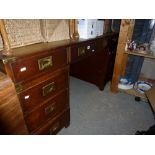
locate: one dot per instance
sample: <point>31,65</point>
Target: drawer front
<point>55,125</point>
<point>83,50</point>
<point>34,96</point>
<point>48,110</point>
<point>28,67</point>
<point>77,51</point>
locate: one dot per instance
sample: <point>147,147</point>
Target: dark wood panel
<point>91,69</point>
<point>48,110</point>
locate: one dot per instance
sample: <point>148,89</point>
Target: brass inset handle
<point>49,109</point>
<point>54,128</point>
<point>81,51</point>
<point>48,88</point>
<point>44,63</point>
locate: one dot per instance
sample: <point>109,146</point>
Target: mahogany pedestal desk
<point>40,73</point>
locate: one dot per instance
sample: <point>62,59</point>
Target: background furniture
<point>93,60</point>
<point>126,32</point>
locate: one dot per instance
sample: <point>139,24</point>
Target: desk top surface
<point>46,46</point>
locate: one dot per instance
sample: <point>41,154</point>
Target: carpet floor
<point>95,112</point>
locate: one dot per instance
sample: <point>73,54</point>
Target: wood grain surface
<point>11,116</point>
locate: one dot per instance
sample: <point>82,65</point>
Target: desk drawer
<point>54,125</point>
<point>37,94</point>
<point>49,61</point>
<point>48,110</point>
<point>82,50</point>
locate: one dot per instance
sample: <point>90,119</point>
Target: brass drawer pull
<point>48,88</point>
<point>44,63</point>
<point>50,109</point>
<point>54,128</point>
<point>81,51</point>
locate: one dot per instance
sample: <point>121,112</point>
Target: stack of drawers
<point>42,83</point>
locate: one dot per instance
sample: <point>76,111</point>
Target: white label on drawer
<point>23,69</point>
<point>26,97</point>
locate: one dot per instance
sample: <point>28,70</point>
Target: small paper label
<point>27,97</point>
<point>23,69</point>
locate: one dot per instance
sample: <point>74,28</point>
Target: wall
<point>54,30</point>
<point>23,32</point>
<point>61,32</point>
